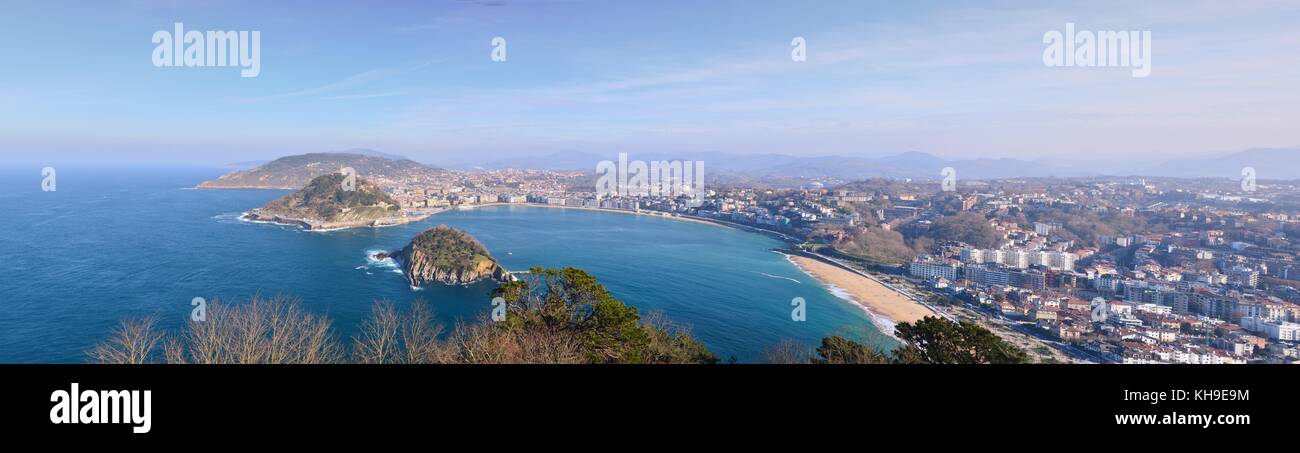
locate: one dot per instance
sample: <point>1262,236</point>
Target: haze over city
<point>956,80</point>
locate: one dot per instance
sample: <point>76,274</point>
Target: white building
<point>1020,259</point>
<point>926,267</point>
<point>1274,330</point>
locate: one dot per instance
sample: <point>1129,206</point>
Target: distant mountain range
<point>915,165</point>
<point>1269,163</point>
<point>294,172</point>
<point>1274,163</point>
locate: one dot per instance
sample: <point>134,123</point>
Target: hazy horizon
<point>958,81</point>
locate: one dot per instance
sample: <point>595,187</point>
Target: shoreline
<point>886,307</point>
<point>253,217</point>
<point>647,213</point>
<point>789,240</point>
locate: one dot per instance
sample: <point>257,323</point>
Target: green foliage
<point>931,340</point>
<point>570,301</point>
<point>449,248</point>
<point>840,350</point>
<point>324,199</point>
<point>938,340</point>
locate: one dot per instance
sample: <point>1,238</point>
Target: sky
<point>952,78</point>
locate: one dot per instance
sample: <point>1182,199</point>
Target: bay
<point>117,243</point>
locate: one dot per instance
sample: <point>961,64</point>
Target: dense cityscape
<point>1112,270</point>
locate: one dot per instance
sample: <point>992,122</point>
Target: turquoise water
<point>117,243</point>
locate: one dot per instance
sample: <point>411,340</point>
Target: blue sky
<point>956,79</point>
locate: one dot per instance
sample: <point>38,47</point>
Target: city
<point>1182,270</point>
<point>960,221</point>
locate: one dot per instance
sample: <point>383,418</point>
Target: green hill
<point>294,172</point>
<point>449,256</point>
<point>325,203</point>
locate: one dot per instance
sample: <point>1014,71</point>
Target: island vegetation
<point>329,201</point>
<point>446,255</point>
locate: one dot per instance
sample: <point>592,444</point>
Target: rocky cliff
<point>448,256</point>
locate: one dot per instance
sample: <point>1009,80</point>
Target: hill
<point>294,172</point>
<point>325,204</point>
<point>1270,163</point>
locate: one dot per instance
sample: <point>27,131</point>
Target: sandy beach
<point>878,299</point>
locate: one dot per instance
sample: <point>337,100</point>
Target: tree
<point>570,302</point>
<point>878,245</point>
<point>133,342</point>
<point>938,340</point>
<point>275,330</point>
<point>930,340</point>
<point>840,350</point>
<point>967,227</point>
<point>394,336</point>
<point>789,352</point>
<point>557,316</point>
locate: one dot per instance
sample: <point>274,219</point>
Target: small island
<point>446,255</point>
<point>325,204</point>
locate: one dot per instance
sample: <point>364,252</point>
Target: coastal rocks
<point>448,256</point>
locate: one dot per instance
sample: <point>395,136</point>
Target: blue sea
<point>116,243</point>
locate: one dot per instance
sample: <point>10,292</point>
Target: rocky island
<point>325,203</point>
<point>448,256</point>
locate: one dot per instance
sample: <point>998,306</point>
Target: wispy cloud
<point>370,95</point>
<point>352,81</point>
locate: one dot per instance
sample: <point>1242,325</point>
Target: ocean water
<point>111,244</point>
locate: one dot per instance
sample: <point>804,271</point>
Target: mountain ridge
<point>295,171</point>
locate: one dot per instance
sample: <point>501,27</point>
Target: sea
<point>108,244</point>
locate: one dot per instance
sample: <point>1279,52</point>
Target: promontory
<point>334,201</point>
